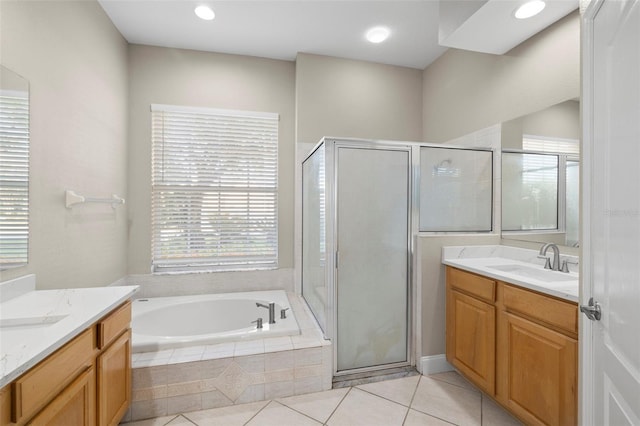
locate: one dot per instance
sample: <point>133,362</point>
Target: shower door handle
<point>337,258</point>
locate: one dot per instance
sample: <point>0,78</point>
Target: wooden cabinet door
<point>537,368</point>
<point>471,334</point>
<point>75,405</point>
<point>114,381</point>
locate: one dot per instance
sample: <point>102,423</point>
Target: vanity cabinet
<point>73,406</point>
<point>114,366</point>
<point>114,381</point>
<point>85,382</point>
<point>471,334</point>
<point>537,357</point>
<point>525,349</point>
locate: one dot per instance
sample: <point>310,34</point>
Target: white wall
<point>186,77</point>
<point>347,98</point>
<point>76,63</point>
<point>467,91</point>
<point>558,121</point>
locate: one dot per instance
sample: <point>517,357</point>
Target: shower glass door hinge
<point>592,310</point>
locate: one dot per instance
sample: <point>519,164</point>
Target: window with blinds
<point>552,145</point>
<point>214,189</point>
<point>529,191</point>
<point>14,178</point>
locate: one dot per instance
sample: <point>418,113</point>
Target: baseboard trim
<point>433,364</point>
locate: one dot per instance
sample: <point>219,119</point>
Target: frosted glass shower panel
<point>529,191</point>
<point>455,189</point>
<point>372,258</point>
<point>314,284</point>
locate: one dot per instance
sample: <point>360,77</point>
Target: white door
<point>610,347</point>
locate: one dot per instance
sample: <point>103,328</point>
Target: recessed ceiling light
<point>205,12</point>
<point>378,34</point>
<point>529,9</point>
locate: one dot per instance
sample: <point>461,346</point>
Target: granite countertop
<point>495,262</point>
<point>34,324</point>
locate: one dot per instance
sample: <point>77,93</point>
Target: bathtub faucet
<point>272,311</point>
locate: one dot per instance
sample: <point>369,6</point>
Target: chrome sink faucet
<point>272,311</point>
<point>556,257</point>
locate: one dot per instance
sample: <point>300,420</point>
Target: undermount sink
<point>35,321</point>
<point>535,273</point>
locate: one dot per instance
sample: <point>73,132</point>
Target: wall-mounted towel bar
<point>72,198</point>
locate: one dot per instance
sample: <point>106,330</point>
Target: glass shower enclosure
<point>356,212</point>
<point>362,202</point>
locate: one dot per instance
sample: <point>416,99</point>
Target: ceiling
<point>281,29</point>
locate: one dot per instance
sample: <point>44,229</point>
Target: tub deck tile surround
<point>180,380</point>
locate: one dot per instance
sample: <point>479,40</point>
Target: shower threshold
<point>362,378</point>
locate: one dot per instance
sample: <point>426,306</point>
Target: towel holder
<point>72,198</point>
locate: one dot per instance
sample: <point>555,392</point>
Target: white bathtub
<point>173,322</point>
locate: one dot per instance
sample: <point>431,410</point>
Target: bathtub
<point>207,319</point>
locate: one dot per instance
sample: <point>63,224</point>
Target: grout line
<point>259,411</point>
<point>339,404</point>
<point>457,385</point>
<point>404,420</point>
<point>299,412</point>
<point>382,397</point>
<point>435,417</point>
<point>172,419</point>
<point>187,419</point>
<point>428,414</point>
<point>415,391</point>
<point>390,400</point>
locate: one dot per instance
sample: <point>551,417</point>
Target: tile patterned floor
<point>438,400</point>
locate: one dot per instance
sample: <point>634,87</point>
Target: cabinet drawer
<point>40,384</point>
<point>472,284</point>
<point>113,325</point>
<point>557,313</point>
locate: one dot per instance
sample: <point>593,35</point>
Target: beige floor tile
<point>495,415</point>
<point>398,390</point>
<point>448,402</point>
<point>158,421</point>
<point>226,416</point>
<point>318,405</point>
<point>416,418</point>
<point>362,408</point>
<point>276,414</point>
<point>454,378</point>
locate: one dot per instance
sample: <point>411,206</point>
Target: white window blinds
<point>214,189</point>
<point>14,178</point>
<point>546,144</point>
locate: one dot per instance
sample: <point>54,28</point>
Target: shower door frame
<point>331,160</point>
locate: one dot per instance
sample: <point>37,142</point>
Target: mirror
<point>540,175</point>
<point>14,169</point>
